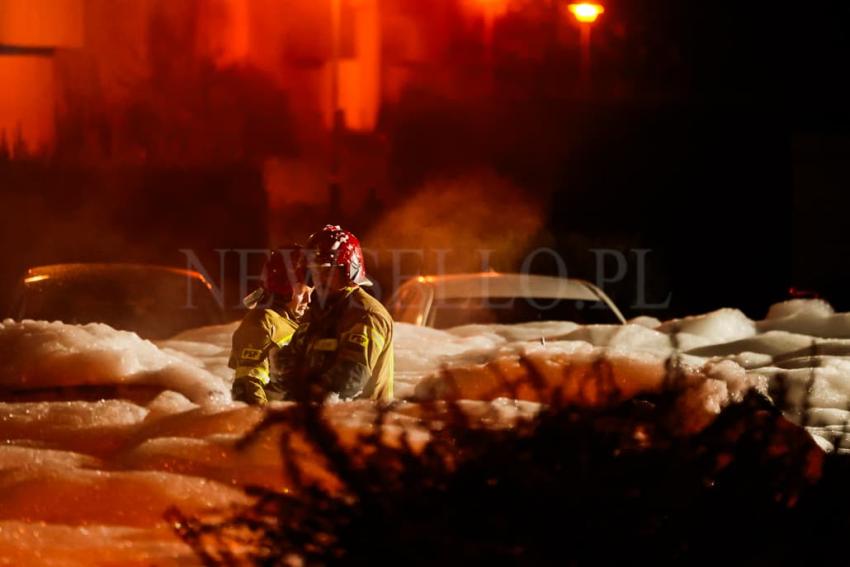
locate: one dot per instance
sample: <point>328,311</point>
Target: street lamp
<point>585,14</point>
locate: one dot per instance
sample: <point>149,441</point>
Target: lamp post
<point>585,14</point>
<point>491,11</point>
<point>337,113</point>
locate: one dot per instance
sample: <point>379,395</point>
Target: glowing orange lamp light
<point>492,8</point>
<point>586,12</point>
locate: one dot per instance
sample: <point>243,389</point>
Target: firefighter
<point>345,344</point>
<point>272,319</point>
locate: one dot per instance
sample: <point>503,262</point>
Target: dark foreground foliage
<point>569,487</point>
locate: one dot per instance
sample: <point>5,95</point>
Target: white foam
<point>82,479</point>
<point>88,427</point>
<point>421,350</point>
<point>813,317</point>
<point>38,355</point>
<point>207,346</point>
<point>797,307</point>
<point>14,456</point>
<point>60,495</point>
<point>58,545</point>
<point>626,337</point>
<point>577,373</point>
<point>721,326</point>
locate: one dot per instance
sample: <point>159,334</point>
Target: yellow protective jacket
<point>261,332</point>
<point>343,347</point>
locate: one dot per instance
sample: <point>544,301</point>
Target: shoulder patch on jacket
<point>356,337</point>
<point>250,354</point>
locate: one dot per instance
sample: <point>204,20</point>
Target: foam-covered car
<point>503,298</point>
<point>156,302</point>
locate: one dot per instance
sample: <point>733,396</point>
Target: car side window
<point>410,305</point>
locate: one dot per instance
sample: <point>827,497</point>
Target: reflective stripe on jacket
<point>261,332</point>
<point>344,348</point>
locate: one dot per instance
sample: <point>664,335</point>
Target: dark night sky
<point>755,194</point>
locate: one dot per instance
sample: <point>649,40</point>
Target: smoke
<point>464,223</point>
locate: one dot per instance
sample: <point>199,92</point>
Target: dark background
<point>715,135</point>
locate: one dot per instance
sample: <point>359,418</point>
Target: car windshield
<point>156,305</point>
<point>448,313</point>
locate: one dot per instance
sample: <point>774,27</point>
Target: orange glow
<point>586,13</point>
<point>27,96</point>
<point>359,75</point>
<point>495,6</point>
<point>33,279</point>
<point>225,31</point>
<point>491,9</point>
<point>27,103</point>
<point>41,23</point>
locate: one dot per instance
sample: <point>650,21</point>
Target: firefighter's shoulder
<point>254,318</point>
<point>267,319</point>
<point>369,306</point>
<point>279,325</point>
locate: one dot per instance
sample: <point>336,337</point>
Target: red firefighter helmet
<point>282,270</point>
<point>335,246</point>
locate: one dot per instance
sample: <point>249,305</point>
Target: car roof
<point>494,284</point>
<point>72,270</point>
